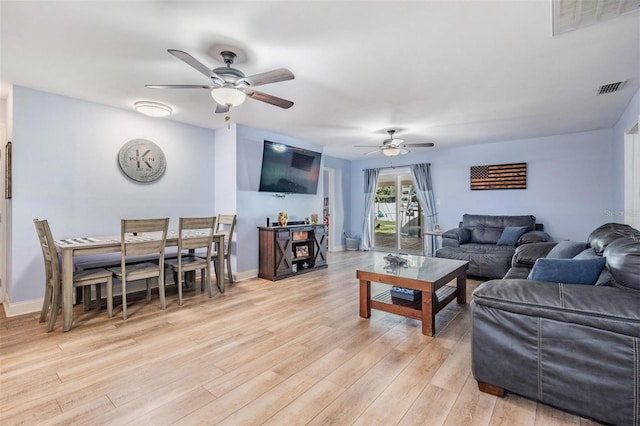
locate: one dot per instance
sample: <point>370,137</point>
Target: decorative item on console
<point>314,218</point>
<point>283,218</point>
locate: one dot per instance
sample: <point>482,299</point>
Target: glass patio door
<point>398,215</point>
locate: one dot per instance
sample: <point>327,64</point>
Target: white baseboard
<point>245,275</point>
<point>21,308</point>
<point>31,306</point>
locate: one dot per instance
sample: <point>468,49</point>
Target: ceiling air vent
<point>611,87</point>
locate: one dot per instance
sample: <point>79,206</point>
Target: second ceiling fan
<point>395,146</point>
<point>229,86</point>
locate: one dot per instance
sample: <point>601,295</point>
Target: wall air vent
<point>611,87</point>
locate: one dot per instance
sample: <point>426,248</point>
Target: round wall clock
<point>142,160</point>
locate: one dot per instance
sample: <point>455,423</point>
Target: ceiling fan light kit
<point>392,147</point>
<point>391,151</point>
<point>229,86</point>
<point>228,96</point>
<point>153,109</point>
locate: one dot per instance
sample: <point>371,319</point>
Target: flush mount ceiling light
<point>228,95</point>
<point>152,109</point>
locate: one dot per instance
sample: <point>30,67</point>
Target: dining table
<point>71,248</point>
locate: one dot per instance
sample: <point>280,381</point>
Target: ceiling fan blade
<point>190,60</point>
<point>403,151</point>
<point>367,146</point>
<point>373,152</point>
<point>178,86</point>
<point>270,99</point>
<point>221,108</point>
<point>281,74</point>
<point>420,145</point>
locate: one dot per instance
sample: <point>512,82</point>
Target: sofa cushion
<point>519,272</point>
<point>485,260</point>
<point>602,236</point>
<point>487,229</point>
<point>623,261</point>
<point>566,250</point>
<point>534,237</point>
<point>568,271</point>
<point>510,235</point>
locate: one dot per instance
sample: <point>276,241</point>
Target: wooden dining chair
<point>194,233</point>
<point>140,237</point>
<point>82,279</point>
<point>226,224</point>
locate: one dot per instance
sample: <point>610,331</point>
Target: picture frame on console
<point>302,251</point>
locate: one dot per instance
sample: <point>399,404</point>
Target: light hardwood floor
<point>278,353</point>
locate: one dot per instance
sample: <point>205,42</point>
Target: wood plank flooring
<point>291,352</point>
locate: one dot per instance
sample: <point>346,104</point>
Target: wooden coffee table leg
<point>428,314</point>
<point>462,288</point>
<point>365,299</point>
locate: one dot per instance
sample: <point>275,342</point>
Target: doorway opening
<point>398,214</point>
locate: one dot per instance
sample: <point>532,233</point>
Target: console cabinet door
<point>320,243</point>
<point>283,252</point>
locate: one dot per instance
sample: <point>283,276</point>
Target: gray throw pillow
<point>586,253</point>
<point>568,271</point>
<point>510,235</point>
<point>566,250</point>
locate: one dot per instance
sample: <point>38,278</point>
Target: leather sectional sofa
<point>572,346</point>
<point>479,240</point>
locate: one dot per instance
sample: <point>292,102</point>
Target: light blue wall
<point>65,170</point>
<point>253,206</point>
<point>572,181</point>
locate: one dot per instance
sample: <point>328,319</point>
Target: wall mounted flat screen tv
<point>289,169</point>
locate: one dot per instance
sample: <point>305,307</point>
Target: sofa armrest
<point>456,236</point>
<point>534,237</point>
<point>605,308</point>
<point>527,254</point>
<point>551,342</point>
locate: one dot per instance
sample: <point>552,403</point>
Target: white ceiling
<point>448,72</point>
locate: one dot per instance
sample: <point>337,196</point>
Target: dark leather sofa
<point>476,238</point>
<point>572,346</point>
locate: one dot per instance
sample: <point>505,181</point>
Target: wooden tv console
<point>290,250</point>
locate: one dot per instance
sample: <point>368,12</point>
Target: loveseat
<point>572,346</point>
<point>489,242</point>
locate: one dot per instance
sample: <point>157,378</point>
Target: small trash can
<point>353,244</point>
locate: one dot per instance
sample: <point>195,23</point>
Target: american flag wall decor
<point>499,176</point>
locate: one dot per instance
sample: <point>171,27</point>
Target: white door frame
<point>3,216</point>
<point>632,177</point>
<point>335,237</point>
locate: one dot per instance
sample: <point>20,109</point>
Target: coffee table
<point>427,274</point>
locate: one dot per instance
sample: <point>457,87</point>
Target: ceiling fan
<point>229,86</point>
<point>395,146</point>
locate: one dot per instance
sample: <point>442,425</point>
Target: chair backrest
<point>49,253</point>
<point>226,225</point>
<point>143,236</point>
<point>196,233</point>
